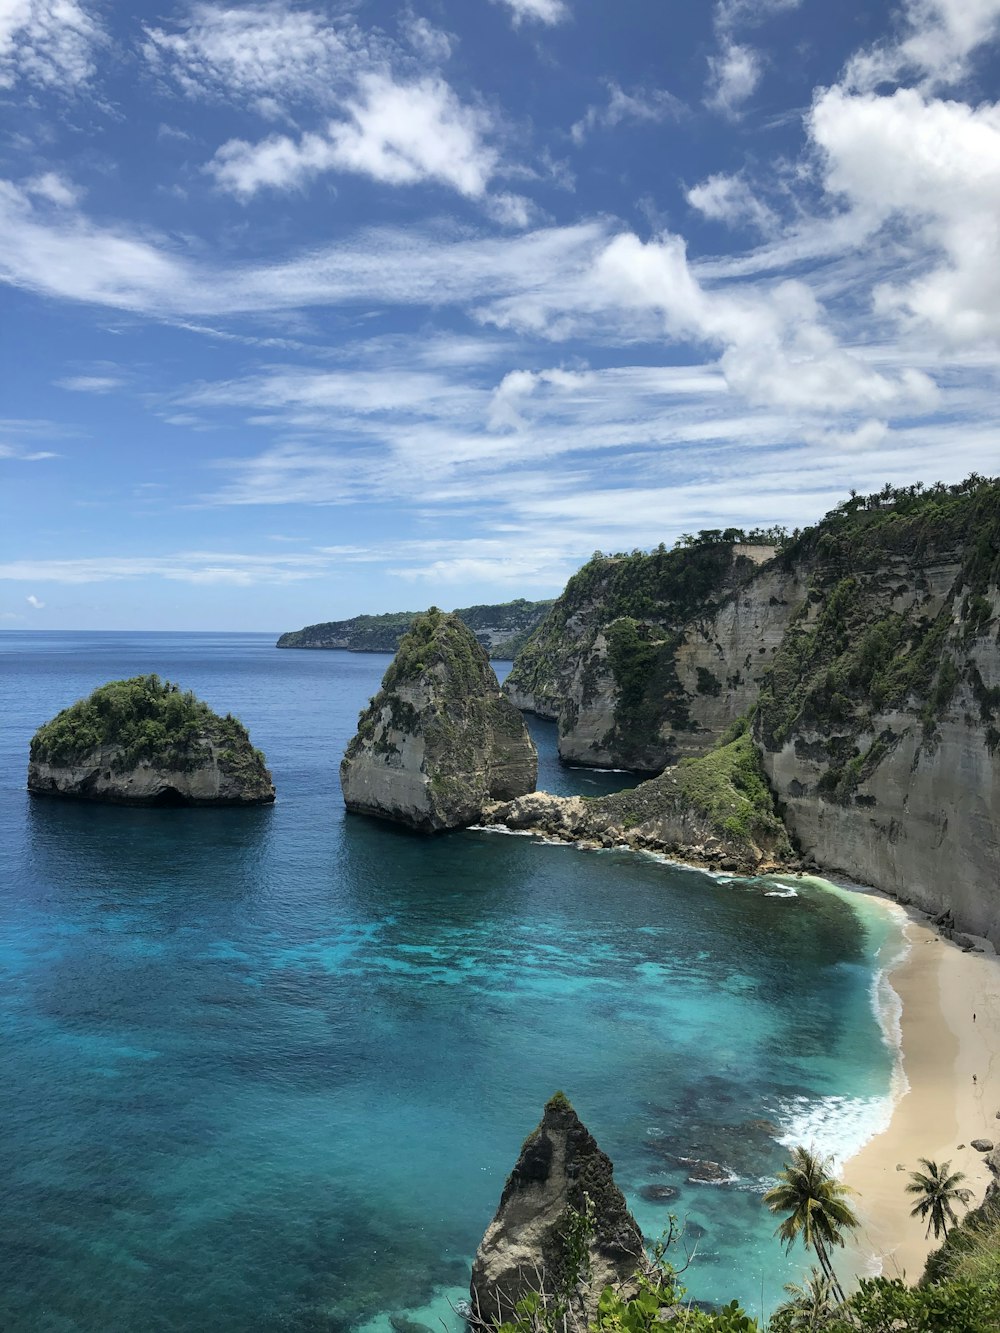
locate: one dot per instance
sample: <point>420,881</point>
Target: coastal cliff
<point>646,658</point>
<point>878,723</point>
<point>560,1180</point>
<point>502,629</point>
<point>145,742</point>
<point>439,741</point>
<point>867,650</point>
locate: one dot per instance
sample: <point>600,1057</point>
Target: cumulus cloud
<point>733,76</point>
<point>537,11</point>
<point>399,134</point>
<point>934,167</point>
<point>729,199</point>
<point>32,600</point>
<point>50,43</point>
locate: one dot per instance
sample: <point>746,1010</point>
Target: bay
<point>268,1069</point>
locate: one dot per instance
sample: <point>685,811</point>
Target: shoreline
<point>940,1108</point>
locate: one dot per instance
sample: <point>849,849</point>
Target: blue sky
<point>313,309</point>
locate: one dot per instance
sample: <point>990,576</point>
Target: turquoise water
<point>268,1069</point>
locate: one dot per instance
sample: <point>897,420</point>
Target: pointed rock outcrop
<point>439,741</point>
<point>561,1172</point>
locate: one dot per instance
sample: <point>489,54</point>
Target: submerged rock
<point>146,742</point>
<point>439,741</point>
<point>561,1171</point>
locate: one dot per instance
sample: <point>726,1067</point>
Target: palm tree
<point>938,1191</point>
<point>817,1208</point>
<point>810,1307</point>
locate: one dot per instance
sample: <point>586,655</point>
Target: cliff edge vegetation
<point>145,741</point>
<point>439,741</point>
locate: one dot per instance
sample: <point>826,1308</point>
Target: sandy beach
<point>951,1062</point>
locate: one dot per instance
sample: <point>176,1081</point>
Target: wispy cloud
<point>733,76</point>
<point>200,567</point>
<point>641,105</point>
<point>538,11</point>
<point>90,383</point>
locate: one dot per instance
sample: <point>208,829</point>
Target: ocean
<point>268,1069</point>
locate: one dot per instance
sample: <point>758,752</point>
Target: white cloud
<point>53,187</point>
<point>733,76</point>
<point>399,134</point>
<point>933,167</point>
<point>430,42</point>
<point>747,13</point>
<point>90,383</point>
<point>537,11</point>
<point>938,39</point>
<point>729,199</point>
<point>22,455</point>
<point>199,567</point>
<point>32,600</point>
<point>258,51</point>
<point>51,43</point>
<point>650,106</point>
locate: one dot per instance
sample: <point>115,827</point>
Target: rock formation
<point>502,629</point>
<point>439,741</point>
<point>145,742</point>
<point>561,1172</point>
<point>716,811</point>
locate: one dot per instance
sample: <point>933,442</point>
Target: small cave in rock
<point>170,796</point>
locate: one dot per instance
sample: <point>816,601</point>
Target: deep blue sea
<point>268,1069</point>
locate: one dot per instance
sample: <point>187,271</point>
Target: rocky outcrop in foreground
<point>145,742</point>
<point>560,1175</point>
<point>716,811</point>
<point>439,742</point>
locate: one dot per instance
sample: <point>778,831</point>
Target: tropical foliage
<point>816,1208</point>
<point>937,1189</point>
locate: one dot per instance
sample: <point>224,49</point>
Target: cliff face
<point>878,725</point>
<point>529,1243</point>
<point>439,741</point>
<point>647,658</point>
<point>869,648</point>
<point>144,742</point>
<point>501,629</point>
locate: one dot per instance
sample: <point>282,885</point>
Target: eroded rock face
<point>145,742</point>
<point>560,1168</point>
<point>439,742</point>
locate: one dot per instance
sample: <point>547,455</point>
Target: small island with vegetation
<point>145,741</point>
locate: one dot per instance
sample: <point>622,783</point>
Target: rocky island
<point>146,742</point>
<point>439,742</point>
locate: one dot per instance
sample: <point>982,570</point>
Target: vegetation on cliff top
<point>848,656</point>
<point>726,786</point>
<point>147,720</point>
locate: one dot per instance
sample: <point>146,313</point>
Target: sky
<point>314,309</point>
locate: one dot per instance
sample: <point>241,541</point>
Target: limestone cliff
<point>502,629</point>
<point>869,649</point>
<point>560,1176</point>
<point>145,742</point>
<point>439,741</point>
<point>878,723</point>
<point>716,811</point>
<point>647,658</point>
